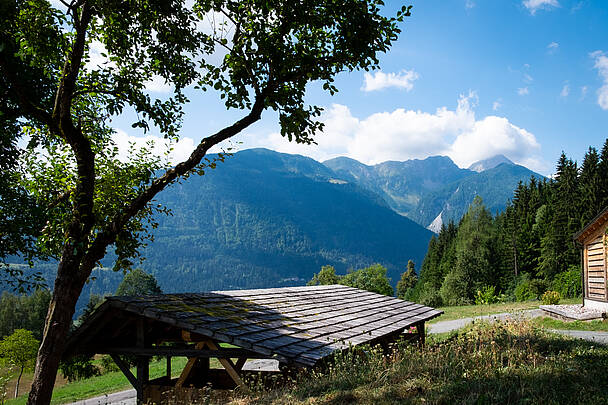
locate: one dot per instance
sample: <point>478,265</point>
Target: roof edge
<point>603,213</point>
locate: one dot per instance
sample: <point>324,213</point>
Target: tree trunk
<point>18,380</point>
<point>68,285</point>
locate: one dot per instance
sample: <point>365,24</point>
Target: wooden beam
<point>240,363</point>
<point>169,368</point>
<point>124,367</point>
<point>226,353</point>
<point>188,368</point>
<point>229,366</point>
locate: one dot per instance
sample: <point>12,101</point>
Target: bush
<point>430,297</point>
<point>487,296</point>
<point>568,283</point>
<point>551,298</point>
<point>530,289</point>
<point>538,287</point>
<point>108,365</point>
<point>454,289</point>
<point>78,367</point>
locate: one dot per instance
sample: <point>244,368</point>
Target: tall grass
<point>498,363</point>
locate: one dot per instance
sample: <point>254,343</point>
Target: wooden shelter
<point>594,240</point>
<point>298,326</point>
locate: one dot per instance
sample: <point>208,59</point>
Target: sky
<point>467,79</point>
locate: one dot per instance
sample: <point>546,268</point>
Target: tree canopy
<point>138,282</point>
<point>59,100</point>
<point>19,350</point>
<point>372,278</point>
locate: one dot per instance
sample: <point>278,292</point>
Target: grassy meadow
<point>513,362</point>
<point>499,363</point>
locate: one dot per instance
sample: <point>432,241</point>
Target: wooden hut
<point>593,240</point>
<point>297,326</point>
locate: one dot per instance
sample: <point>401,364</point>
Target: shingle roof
<point>296,325</point>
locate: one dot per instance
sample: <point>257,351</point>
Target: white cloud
<point>553,47</point>
<point>534,5</point>
<point>469,4</point>
<point>523,91</point>
<point>565,91</point>
<point>528,78</point>
<point>584,90</point>
<point>491,136</point>
<point>496,105</point>
<point>601,64</point>
<point>158,85</point>
<point>407,134</point>
<point>380,80</point>
<point>98,60</point>
<point>180,150</point>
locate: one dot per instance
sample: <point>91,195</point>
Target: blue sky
<point>467,79</point>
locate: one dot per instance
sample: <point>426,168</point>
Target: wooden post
<point>169,368</point>
<point>142,362</point>
<point>421,333</point>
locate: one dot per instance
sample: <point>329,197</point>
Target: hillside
<point>434,190</point>
<point>495,186</point>
<point>265,219</point>
<point>401,184</point>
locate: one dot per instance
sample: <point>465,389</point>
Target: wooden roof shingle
<point>296,325</point>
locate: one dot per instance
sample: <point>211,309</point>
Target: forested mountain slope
<point>265,219</point>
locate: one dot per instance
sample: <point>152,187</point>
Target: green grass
<point>104,384</point>
<point>551,323</point>
<point>499,363</point>
<point>470,311</point>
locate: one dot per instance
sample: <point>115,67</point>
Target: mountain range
<point>435,190</point>
<point>267,219</point>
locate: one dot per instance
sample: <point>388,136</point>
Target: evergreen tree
<point>603,175</point>
<point>473,268</point>
<point>590,187</point>
<point>408,280</point>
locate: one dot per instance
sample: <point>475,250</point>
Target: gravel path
<point>596,337</point>
<point>128,397</point>
<point>448,326</point>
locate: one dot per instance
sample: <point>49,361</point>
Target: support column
<point>421,333</point>
<point>142,362</point>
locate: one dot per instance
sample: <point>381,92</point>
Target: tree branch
<point>108,236</point>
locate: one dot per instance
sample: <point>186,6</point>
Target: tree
<point>408,280</point>
<point>261,57</point>
<point>19,350</point>
<point>138,282</point>
<point>327,276</point>
<point>24,312</point>
<point>372,278</point>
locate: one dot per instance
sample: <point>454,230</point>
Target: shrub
<point>108,365</point>
<point>538,287</point>
<point>568,283</point>
<point>454,289</point>
<point>430,297</point>
<point>78,367</point>
<point>486,296</point>
<point>530,289</point>
<point>551,298</point>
